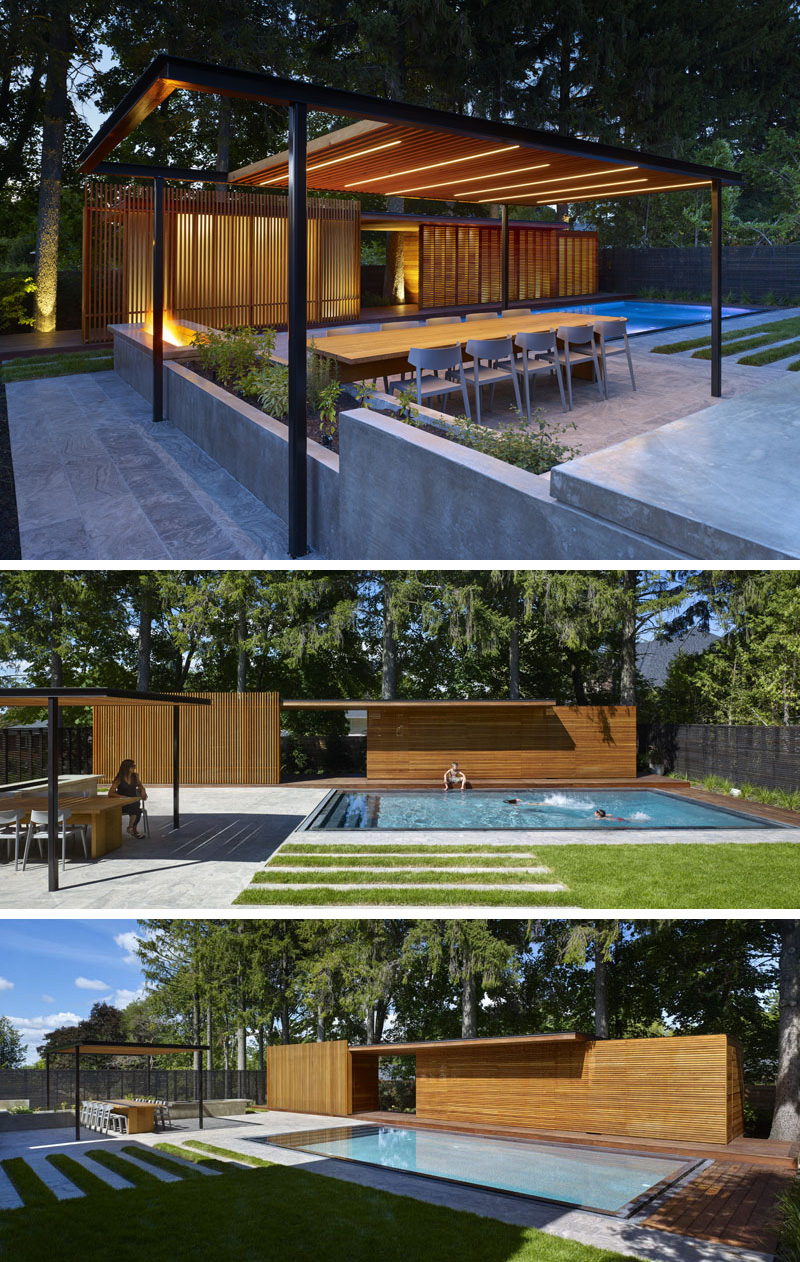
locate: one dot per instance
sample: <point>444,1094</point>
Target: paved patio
<point>97,480</point>
<point>636,1237</point>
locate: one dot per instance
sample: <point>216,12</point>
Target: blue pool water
<point>562,808</point>
<point>644,317</point>
<point>607,1181</point>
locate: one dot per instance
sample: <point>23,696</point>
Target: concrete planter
<point>185,1110</point>
<point>37,1121</point>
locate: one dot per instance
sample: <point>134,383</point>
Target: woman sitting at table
<point>126,784</point>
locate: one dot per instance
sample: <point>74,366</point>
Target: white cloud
<point>128,943</point>
<point>48,998</point>
<point>123,997</point>
<point>5,984</point>
<point>33,1029</point>
<point>90,983</point>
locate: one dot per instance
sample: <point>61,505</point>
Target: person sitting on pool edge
<point>453,777</point>
<point>126,784</point>
<point>616,819</point>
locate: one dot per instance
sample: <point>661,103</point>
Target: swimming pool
<point>646,317</point>
<point>610,1182</point>
<point>408,809</point>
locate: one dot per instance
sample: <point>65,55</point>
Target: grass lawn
<point>268,1214</point>
<point>719,875</point>
<point>26,368</point>
<point>775,329</point>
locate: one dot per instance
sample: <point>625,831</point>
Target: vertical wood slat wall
<point>225,256</point>
<point>235,740</point>
<point>459,264</point>
<point>310,1078</point>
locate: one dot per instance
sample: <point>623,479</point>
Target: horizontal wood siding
<point>459,264</point>
<point>671,1088</point>
<point>225,257</point>
<point>581,742</point>
<point>310,1078</point>
<point>235,740</point>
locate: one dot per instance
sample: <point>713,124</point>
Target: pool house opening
<point>392,149</point>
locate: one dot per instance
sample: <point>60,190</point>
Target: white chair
<point>512,314</point>
<point>605,331</point>
<point>145,819</point>
<point>444,320</point>
<point>162,1115</point>
<point>436,359</point>
<point>539,354</point>
<point>9,828</point>
<point>117,1123</point>
<point>579,347</point>
<point>38,821</point>
<point>104,1117</point>
<point>498,354</point>
<point>95,1110</point>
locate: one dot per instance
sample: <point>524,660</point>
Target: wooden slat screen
<point>460,265</point>
<point>235,740</point>
<point>661,1088</point>
<point>565,742</point>
<point>225,256</point>
<point>310,1078</point>
<point>411,265</point>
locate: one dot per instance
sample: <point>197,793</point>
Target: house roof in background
<point>653,657</point>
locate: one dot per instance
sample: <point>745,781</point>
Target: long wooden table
<point>361,356</point>
<point>102,813</point>
<point>141,1116</point>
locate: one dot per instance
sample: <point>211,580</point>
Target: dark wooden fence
<point>23,753</point>
<point>749,273</point>
<point>767,756</point>
<point>111,1083</point>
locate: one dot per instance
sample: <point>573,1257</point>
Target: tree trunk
<point>286,1033</point>
<point>320,1024</point>
<point>56,660</point>
<point>223,136</point>
<point>55,119</point>
<point>600,993</point>
<point>197,1063</point>
<point>389,648</point>
<point>514,613</point>
<point>627,683</point>
<point>394,282</point>
<point>786,1118</point>
<point>145,640</point>
<point>469,1003</point>
<point>209,1040</point>
<point>578,685</point>
<point>241,640</point>
<point>241,1059</point>
<point>379,1020</point>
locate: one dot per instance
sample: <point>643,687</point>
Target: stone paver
<point>546,837</point>
<point>59,1184</point>
<point>165,1176</point>
<point>114,1180</point>
<point>96,479</point>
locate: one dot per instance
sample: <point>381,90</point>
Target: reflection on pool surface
<point>494,810</point>
<point>645,317</point>
<point>612,1182</point>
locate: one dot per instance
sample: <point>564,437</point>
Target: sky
<point>52,971</point>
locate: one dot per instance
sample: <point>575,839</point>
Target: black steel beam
<point>716,290</point>
<point>504,256</point>
<point>158,299</point>
<point>298,315</point>
<point>227,81</point>
<point>52,793</point>
<point>148,172</point>
<point>176,758</point>
<point>77,1093</point>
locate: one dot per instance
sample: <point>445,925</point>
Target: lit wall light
<point>431,165</point>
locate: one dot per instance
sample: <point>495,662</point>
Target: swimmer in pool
<point>454,779</point>
<point>519,802</point>
<point>616,819</point>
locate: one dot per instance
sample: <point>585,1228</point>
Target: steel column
<point>200,1097</point>
<point>297,313</point>
<point>158,298</point>
<point>52,793</point>
<point>716,289</point>
<point>176,757</point>
<point>504,256</point>
<point>77,1092</point>
<point>47,1080</point>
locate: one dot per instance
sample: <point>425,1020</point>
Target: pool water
<point>645,317</point>
<point>612,1182</point>
<point>490,809</point>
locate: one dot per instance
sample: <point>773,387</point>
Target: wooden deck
<point>61,342</point>
<point>731,1204</point>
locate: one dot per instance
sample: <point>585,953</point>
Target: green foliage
<point>30,368</point>
<point>772,355</point>
<point>12,1050</point>
<point>273,390</point>
<point>533,445</point>
<point>13,307</point>
<point>771,331</point>
<point>789,1236</point>
<point>230,354</point>
<point>326,406</point>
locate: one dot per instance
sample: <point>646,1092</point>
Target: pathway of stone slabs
<point>631,1237</point>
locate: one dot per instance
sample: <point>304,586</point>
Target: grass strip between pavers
<point>89,1183</point>
<point>125,1169</point>
<point>162,1162</point>
<point>31,368</point>
<point>320,896</point>
<point>196,1158</point>
<point>33,1191</point>
<point>351,876</point>
<point>230,1153</point>
<point>774,328</point>
<point>736,348</point>
<point>772,354</point>
<point>392,860</point>
<point>398,848</point>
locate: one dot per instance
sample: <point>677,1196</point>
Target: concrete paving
<point>225,835</point>
<point>547,837</point>
<point>97,480</point>
<point>246,1135</point>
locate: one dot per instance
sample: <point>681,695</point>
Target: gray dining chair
<point>444,320</point>
<point>10,831</point>
<point>539,354</point>
<point>579,347</point>
<point>605,332</point>
<point>433,360</point>
<point>492,361</point>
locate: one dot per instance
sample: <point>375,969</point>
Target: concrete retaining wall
<point>37,1121</point>
<point>187,1109</point>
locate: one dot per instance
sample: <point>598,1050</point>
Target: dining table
<point>140,1115</point>
<point>384,352</point>
<point>102,813</point>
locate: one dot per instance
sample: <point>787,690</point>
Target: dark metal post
<point>52,793</point>
<point>176,757</point>
<point>200,1096</point>
<point>504,256</point>
<point>158,298</point>
<point>46,1080</point>
<point>297,313</point>
<point>77,1091</point>
<point>716,289</point>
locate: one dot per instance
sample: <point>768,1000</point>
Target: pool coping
<point>310,822</point>
<point>687,1170</point>
<point>667,328</point>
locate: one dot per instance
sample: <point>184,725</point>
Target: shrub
<point>322,372</point>
<point>529,445</point>
<point>231,354</point>
<point>13,307</point>
<point>272,390</point>
<point>789,1237</point>
<point>326,406</point>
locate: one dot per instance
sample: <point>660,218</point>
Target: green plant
<point>407,411</point>
<point>789,1236</point>
<point>365,393</point>
<point>230,354</point>
<point>321,372</point>
<point>533,445</point>
<point>273,390</point>
<point>326,406</point>
<point>13,308</point>
<point>21,1108</point>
